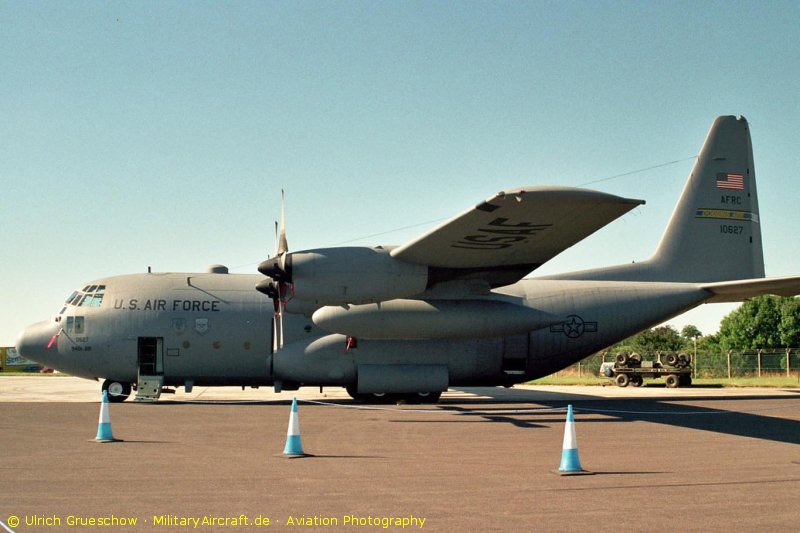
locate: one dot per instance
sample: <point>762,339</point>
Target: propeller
<point>279,271</point>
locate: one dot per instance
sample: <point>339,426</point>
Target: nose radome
<point>34,342</point>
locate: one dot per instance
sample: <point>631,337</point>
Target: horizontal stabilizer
<point>737,291</point>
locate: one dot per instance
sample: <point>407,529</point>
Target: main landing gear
<point>389,398</point>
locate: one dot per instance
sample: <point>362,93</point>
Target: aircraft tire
<point>117,391</point>
<point>423,397</point>
<point>369,397</point>
<point>622,380</point>
<point>673,381</point>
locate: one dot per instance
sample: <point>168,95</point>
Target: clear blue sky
<point>159,134</point>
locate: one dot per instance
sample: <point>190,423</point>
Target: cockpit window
<point>90,296</point>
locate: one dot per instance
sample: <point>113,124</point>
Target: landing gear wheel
<point>673,381</point>
<point>622,380</point>
<point>369,397</point>
<point>117,390</point>
<point>423,397</point>
<point>622,359</point>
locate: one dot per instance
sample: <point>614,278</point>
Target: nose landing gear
<point>117,390</point>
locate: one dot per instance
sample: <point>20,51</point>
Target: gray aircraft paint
<point>433,319</point>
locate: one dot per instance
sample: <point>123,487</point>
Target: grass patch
<point>570,380</point>
<point>783,382</point>
<point>29,374</point>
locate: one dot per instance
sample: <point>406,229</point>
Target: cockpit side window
<point>75,324</point>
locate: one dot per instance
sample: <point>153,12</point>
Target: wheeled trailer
<point>629,369</point>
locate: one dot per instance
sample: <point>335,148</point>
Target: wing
<point>512,233</point>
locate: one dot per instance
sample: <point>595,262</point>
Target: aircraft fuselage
<point>215,329</point>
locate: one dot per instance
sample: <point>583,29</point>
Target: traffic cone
<point>293,448</point>
<point>570,463</point>
<point>104,425</point>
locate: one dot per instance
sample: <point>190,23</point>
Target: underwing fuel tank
<point>432,319</point>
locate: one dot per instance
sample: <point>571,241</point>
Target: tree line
<point>762,323</point>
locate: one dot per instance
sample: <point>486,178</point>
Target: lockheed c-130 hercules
<point>450,308</point>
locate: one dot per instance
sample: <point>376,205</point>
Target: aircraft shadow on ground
<point>752,424</point>
<point>759,423</point>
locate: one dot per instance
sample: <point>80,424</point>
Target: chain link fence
<point>712,364</point>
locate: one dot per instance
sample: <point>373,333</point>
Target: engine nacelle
<point>352,275</point>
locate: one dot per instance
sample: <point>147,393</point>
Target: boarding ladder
<point>148,388</point>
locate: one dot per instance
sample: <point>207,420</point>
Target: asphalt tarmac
<point>482,460</point>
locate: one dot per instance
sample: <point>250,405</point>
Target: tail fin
<point>714,233</point>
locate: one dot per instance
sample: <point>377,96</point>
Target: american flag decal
<point>730,181</point>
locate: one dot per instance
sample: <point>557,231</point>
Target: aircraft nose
<point>37,343</point>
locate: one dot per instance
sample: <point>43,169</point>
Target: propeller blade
<point>283,246</point>
<point>281,305</point>
<point>276,237</point>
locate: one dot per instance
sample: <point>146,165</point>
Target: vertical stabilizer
<point>715,233</point>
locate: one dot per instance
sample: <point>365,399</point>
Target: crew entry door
<point>151,369</point>
<point>151,356</point>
